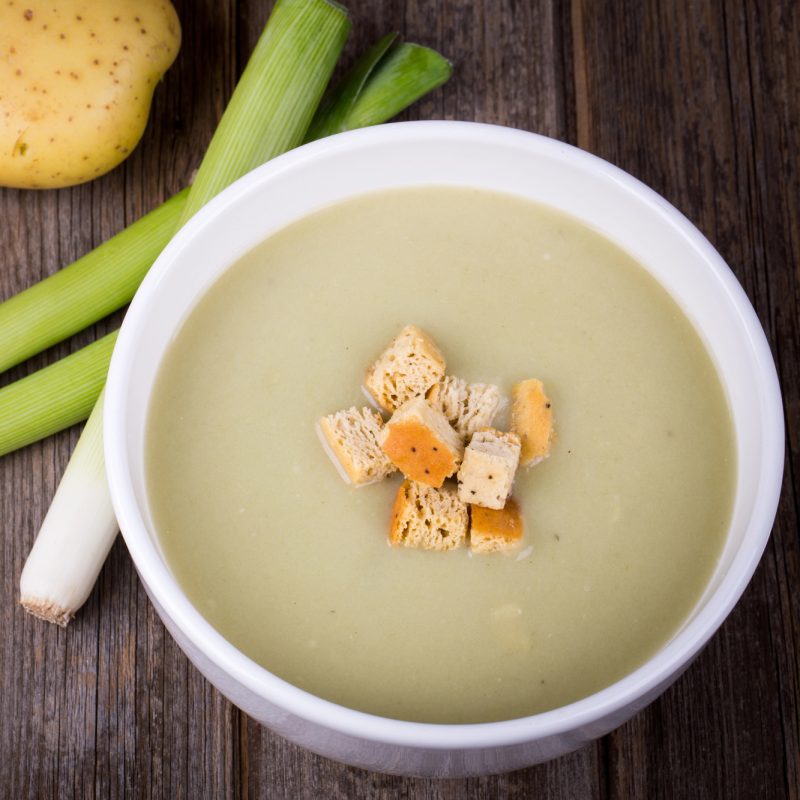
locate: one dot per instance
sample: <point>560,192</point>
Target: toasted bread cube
<point>421,444</point>
<point>487,472</point>
<point>350,438</point>
<point>493,531</point>
<point>467,406</point>
<point>532,419</point>
<point>407,368</point>
<point>433,519</point>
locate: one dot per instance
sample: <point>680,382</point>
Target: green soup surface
<point>624,522</point>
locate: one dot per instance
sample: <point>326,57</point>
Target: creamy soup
<point>624,522</point>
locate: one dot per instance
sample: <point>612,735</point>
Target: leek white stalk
<point>76,534</point>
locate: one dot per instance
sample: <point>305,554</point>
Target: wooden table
<point>698,98</point>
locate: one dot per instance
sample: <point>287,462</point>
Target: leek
<point>87,290</point>
<point>296,54</point>
<point>365,96</point>
<point>55,397</point>
<point>295,57</point>
<point>76,534</point>
<point>80,527</point>
<point>383,83</point>
<point>276,97</point>
<point>332,114</point>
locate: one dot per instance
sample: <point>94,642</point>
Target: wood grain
<point>698,98</point>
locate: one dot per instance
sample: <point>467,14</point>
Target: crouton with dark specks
<point>532,419</point>
<point>488,469</point>
<point>420,442</point>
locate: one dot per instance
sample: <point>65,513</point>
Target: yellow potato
<point>76,81</point>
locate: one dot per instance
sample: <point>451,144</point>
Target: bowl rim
<point>652,675</point>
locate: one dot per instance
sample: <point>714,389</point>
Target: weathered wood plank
<point>109,708</point>
<point>699,99</point>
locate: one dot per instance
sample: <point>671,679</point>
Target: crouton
<point>532,419</point>
<point>487,472</point>
<point>407,368</point>
<point>351,440</point>
<point>493,531</point>
<point>421,444</point>
<point>467,406</point>
<point>433,519</point>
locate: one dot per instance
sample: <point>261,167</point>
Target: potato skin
<point>76,82</point>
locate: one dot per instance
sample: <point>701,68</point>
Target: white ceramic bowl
<point>461,154</point>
